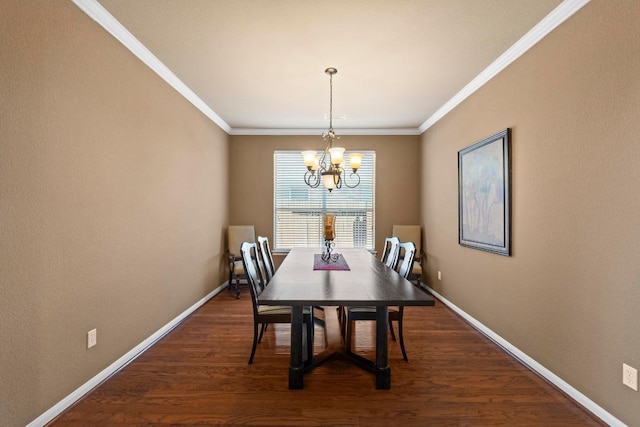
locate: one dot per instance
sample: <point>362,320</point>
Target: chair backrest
<point>410,233</point>
<point>267,258</point>
<point>251,263</point>
<point>407,261</point>
<point>236,234</point>
<point>391,252</point>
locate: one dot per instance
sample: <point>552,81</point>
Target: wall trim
<point>116,366</point>
<point>99,14</point>
<point>131,355</point>
<point>561,13</point>
<point>529,362</point>
<point>318,132</point>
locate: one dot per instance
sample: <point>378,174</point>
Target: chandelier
<point>328,166</point>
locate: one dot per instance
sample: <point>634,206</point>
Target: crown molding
<point>99,14</point>
<point>317,132</point>
<point>557,16</point>
<point>560,14</point>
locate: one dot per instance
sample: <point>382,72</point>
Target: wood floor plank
<point>198,375</point>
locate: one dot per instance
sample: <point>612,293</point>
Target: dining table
<point>355,278</point>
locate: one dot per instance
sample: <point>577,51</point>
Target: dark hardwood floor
<point>198,375</point>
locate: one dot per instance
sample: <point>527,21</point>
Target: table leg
<point>383,371</point>
<point>296,368</point>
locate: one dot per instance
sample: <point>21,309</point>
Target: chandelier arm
<point>312,179</point>
<point>339,183</point>
<point>351,176</point>
<point>323,158</point>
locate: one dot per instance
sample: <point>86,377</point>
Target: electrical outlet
<point>439,275</point>
<point>630,376</point>
<point>92,338</point>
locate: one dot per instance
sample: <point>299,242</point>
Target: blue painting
<point>483,180</point>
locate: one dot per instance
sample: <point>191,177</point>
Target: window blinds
<point>298,208</point>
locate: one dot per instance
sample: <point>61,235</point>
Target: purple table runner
<point>339,264</point>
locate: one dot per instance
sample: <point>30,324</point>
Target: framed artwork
<point>484,202</point>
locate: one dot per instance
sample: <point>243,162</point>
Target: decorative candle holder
<point>326,253</point>
<point>328,220</point>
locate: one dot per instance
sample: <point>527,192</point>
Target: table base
<point>335,350</point>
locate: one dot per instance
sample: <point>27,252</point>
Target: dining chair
<point>396,313</point>
<point>265,267</point>
<point>353,314</point>
<point>390,254</point>
<point>412,233</point>
<point>391,251</point>
<point>236,234</point>
<point>266,314</point>
<point>267,257</point>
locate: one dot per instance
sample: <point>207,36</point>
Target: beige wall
<point>114,190</point>
<point>113,202</point>
<point>569,297</point>
<point>397,178</point>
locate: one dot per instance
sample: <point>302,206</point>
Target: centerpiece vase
<point>329,234</point>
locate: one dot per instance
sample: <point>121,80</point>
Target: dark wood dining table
<point>368,282</point>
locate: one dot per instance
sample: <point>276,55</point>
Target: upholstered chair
<point>236,234</point>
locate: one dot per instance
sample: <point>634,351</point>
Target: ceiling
<point>257,66</point>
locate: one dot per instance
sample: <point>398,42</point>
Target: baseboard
<point>130,356</point>
<point>580,398</point>
<point>123,361</point>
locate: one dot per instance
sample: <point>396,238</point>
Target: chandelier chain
<point>327,168</point>
<point>330,102</point>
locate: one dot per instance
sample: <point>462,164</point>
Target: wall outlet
<point>439,275</point>
<point>630,376</point>
<point>92,338</point>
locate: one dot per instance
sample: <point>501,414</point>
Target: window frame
<point>348,232</point>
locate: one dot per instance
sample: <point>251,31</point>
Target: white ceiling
<point>257,66</point>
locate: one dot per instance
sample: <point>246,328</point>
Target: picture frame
<point>484,194</point>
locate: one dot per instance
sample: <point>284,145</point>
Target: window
<point>298,208</point>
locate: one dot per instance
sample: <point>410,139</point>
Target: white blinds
<point>298,208</point>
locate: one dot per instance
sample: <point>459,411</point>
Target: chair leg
<point>318,321</point>
<point>237,287</point>
<point>263,328</point>
<point>255,341</point>
<point>393,335</point>
<point>400,316</point>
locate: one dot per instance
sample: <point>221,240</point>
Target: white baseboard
<point>123,361</point>
<point>144,345</point>
<point>583,400</point>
